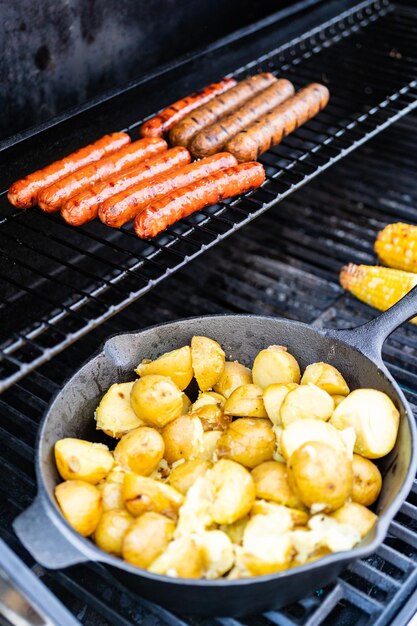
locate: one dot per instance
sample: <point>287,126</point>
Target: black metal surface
<point>58,283</point>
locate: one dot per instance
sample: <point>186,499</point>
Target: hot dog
<point>126,205</point>
<point>182,202</point>
<point>212,138</point>
<point>52,198</point>
<point>270,129</point>
<point>184,131</point>
<point>83,207</point>
<point>161,123</point>
<point>24,192</point>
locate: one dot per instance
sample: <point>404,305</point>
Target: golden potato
<point>209,397</point>
<point>184,476</point>
<point>208,361</point>
<point>183,438</point>
<point>208,449</point>
<point>271,483</point>
<point>156,400</point>
<point>298,517</point>
<point>274,395</point>
<point>323,535</point>
<point>275,365</point>
<point>320,475</point>
<point>236,530</point>
<point>326,377</point>
<point>77,459</point>
<point>186,404</point>
<point>249,441</point>
<point>111,530</point>
<point>81,505</point>
<point>111,489</point>
<point>114,415</point>
<point>234,375</point>
<point>267,545</point>
<point>217,553</point>
<point>147,537</point>
<point>337,400</point>
<point>140,450</point>
<point>181,559</point>
<point>234,491</point>
<point>357,516</point>
<point>176,365</point>
<point>302,431</point>
<point>211,417</point>
<point>142,494</point>
<point>374,418</point>
<point>307,401</point>
<point>246,401</point>
<point>195,515</point>
<point>367,481</point>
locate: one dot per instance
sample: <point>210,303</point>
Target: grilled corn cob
<point>396,246</point>
<point>381,287</point>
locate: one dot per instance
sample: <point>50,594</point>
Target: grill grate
<point>58,283</point>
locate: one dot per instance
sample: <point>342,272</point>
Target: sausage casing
<point>84,207</point>
<point>184,131</point>
<point>52,198</point>
<point>270,129</point>
<point>204,192</point>
<point>24,192</point>
<point>160,124</point>
<point>126,205</point>
<point>212,138</point>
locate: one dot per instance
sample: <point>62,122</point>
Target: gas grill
<point>64,290</point>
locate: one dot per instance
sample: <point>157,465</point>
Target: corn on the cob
<point>381,287</point>
<point>396,246</point>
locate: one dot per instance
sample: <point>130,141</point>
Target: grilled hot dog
<point>83,207</point>
<point>24,192</point>
<point>270,129</point>
<point>161,123</point>
<point>178,204</point>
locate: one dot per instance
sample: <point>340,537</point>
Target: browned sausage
<point>83,207</point>
<point>52,198</point>
<point>182,202</point>
<point>270,129</point>
<point>161,123</point>
<point>208,114</point>
<point>126,205</point>
<point>24,193</point>
<point>211,139</point>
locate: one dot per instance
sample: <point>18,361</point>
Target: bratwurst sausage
<point>211,139</point>
<point>24,192</point>
<point>84,207</point>
<point>270,129</point>
<point>182,202</point>
<point>184,131</point>
<point>160,124</point>
<point>126,205</point>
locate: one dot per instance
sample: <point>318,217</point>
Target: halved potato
<point>81,505</point>
<point>367,481</point>
<point>249,441</point>
<point>176,365</point>
<point>111,530</point>
<point>233,489</point>
<point>217,553</point>
<point>140,450</point>
<point>234,375</point>
<point>142,494</point>
<point>147,537</point>
<point>326,377</point>
<point>208,361</point>
<point>274,395</point>
<point>306,401</point>
<point>77,459</point>
<point>209,397</point>
<point>302,431</point>
<point>271,483</point>
<point>181,559</point>
<point>156,400</point>
<point>115,415</point>
<point>111,489</point>
<point>183,438</point>
<point>357,516</point>
<point>183,476</point>
<point>246,401</point>
<point>275,365</point>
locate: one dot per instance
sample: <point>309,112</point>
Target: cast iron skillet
<point>357,353</point>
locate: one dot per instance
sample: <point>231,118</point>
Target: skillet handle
<point>369,338</point>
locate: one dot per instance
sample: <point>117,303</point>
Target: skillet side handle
<point>369,338</point>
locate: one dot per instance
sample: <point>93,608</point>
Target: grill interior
<point>58,282</point>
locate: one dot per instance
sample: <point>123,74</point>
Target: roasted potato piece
<point>176,365</point>
<point>217,553</point>
<point>275,365</point>
<point>357,516</point>
<point>374,418</point>
<point>140,450</point>
<point>246,401</point>
<point>183,438</point>
<point>195,515</point>
<point>114,415</point>
<point>367,481</point>
<point>234,375</point>
<point>236,530</point>
<point>208,361</point>
<point>156,400</point>
<point>81,505</point>
<point>271,483</point>
<point>77,459</point>
<point>234,491</point>
<point>181,559</point>
<point>249,441</point>
<point>302,431</point>
<point>212,417</point>
<point>320,475</point>
<point>307,401</point>
<point>326,377</point>
<point>208,449</point>
<point>186,404</point>
<point>111,489</point>
<point>323,535</point>
<point>111,530</point>
<point>209,397</point>
<point>262,507</point>
<point>147,537</point>
<point>142,494</point>
<point>267,545</point>
<point>184,476</point>
<point>274,395</point>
